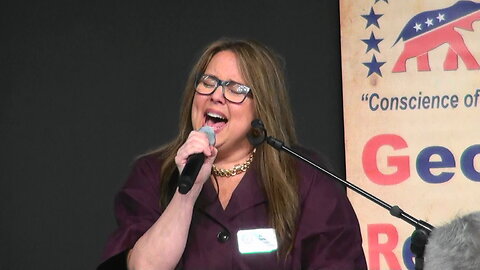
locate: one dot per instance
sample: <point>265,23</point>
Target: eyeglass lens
<point>232,91</point>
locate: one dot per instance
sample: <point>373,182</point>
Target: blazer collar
<point>248,193</point>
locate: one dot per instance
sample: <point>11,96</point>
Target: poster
<point>411,90</point>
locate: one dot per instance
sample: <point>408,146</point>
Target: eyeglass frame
<point>224,85</point>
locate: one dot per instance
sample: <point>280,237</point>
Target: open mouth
<point>215,120</point>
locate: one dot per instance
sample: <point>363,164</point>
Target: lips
<point>216,120</point>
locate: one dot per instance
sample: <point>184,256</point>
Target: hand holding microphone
<point>195,158</point>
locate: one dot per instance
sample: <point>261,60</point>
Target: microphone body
<point>190,172</point>
<point>194,164</point>
<point>455,245</point>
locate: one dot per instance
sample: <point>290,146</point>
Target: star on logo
<point>372,43</point>
<point>418,27</point>
<point>429,22</point>
<point>372,18</point>
<point>441,17</point>
<point>374,66</point>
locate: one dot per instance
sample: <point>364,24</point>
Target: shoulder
<point>145,170</point>
<point>151,162</point>
<point>312,180</point>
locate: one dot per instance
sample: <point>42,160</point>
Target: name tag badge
<point>256,241</point>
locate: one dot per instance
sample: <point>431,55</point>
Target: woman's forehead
<point>225,66</point>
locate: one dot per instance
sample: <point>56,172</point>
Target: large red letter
<point>375,248</point>
<point>370,165</point>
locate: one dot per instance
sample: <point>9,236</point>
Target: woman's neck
<point>227,159</point>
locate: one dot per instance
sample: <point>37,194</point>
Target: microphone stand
<point>422,230</point>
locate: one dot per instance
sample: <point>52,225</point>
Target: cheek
<point>196,112</point>
<point>250,110</point>
<point>246,113</point>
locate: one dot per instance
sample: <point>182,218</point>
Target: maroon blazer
<point>328,234</point>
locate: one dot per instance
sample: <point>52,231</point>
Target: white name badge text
<point>257,241</point>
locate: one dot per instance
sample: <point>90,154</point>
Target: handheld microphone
<point>194,164</point>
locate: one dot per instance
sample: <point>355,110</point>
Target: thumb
<point>210,159</point>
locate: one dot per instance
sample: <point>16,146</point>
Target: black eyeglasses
<point>232,91</point>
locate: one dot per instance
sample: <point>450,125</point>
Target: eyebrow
<point>231,81</point>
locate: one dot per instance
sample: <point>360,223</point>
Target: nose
<point>217,96</point>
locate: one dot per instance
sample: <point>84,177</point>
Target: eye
<point>238,89</point>
<point>208,81</point>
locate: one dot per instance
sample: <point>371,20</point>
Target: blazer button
<point>223,236</point>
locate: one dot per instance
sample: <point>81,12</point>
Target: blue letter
<point>466,162</point>
<point>408,255</point>
<point>424,164</point>
<point>373,107</point>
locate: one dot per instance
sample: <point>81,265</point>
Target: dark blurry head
<point>455,245</point>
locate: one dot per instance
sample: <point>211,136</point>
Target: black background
<point>87,86</point>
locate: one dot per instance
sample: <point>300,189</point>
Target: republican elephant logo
<point>431,29</point>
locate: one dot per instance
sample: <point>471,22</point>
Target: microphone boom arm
<point>394,210</point>
<point>423,229</point>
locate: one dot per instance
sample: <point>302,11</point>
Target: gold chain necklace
<point>237,169</point>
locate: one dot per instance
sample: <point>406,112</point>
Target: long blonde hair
<point>263,72</point>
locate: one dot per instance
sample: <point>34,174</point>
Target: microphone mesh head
<point>210,134</point>
<point>257,133</point>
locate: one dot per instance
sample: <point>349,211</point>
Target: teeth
<point>216,115</point>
